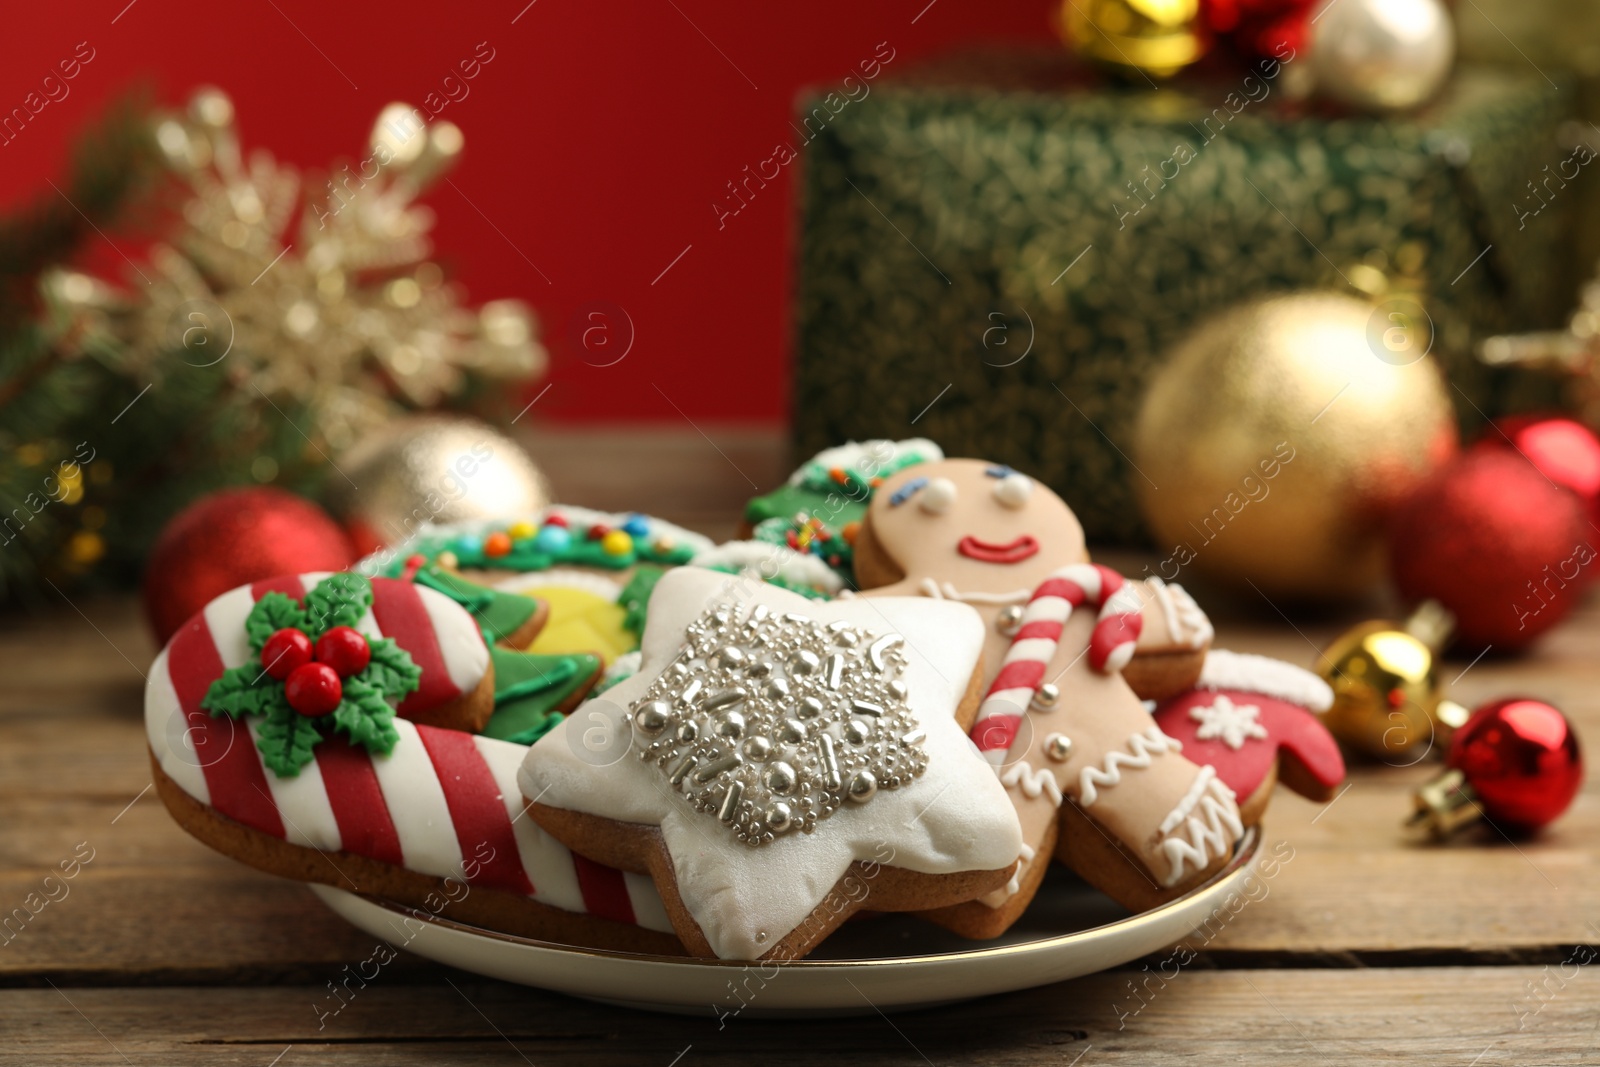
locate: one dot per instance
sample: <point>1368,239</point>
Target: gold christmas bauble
<point>1387,696</point>
<point>1279,435</point>
<point>1157,38</point>
<point>431,468</point>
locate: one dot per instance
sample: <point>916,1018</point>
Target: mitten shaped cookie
<point>347,784</point>
<point>778,764</point>
<point>1255,720</point>
<point>987,535</point>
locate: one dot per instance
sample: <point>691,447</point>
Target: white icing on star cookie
<point>953,817</point>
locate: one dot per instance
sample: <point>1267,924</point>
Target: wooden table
<point>1368,946</point>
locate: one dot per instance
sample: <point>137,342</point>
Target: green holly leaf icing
<point>286,738</point>
<point>338,600</point>
<point>245,690</point>
<point>391,671</point>
<point>366,718</point>
<point>273,612</point>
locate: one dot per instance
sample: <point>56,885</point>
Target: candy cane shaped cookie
<point>435,822</point>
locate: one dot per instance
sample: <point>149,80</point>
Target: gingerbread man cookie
<point>1136,818</point>
<point>366,796</point>
<point>778,764</point>
<point>1256,721</point>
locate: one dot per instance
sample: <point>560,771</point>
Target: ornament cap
<point>1433,624</point>
<point>1445,804</point>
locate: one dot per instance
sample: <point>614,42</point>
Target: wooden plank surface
<point>155,908</point>
<point>1462,1016</point>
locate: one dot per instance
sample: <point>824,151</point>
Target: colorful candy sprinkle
<point>617,543</point>
<point>497,544</point>
<point>552,540</point>
<point>637,525</point>
<point>521,531</point>
<point>556,519</point>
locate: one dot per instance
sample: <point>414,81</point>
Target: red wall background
<point>598,138</point>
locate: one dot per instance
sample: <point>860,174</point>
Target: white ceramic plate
<point>876,963</point>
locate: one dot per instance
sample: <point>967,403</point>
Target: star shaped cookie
<point>778,764</point>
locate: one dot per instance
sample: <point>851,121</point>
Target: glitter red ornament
<point>284,651</point>
<point>1515,762</point>
<point>1497,544</point>
<point>1563,450</point>
<point>313,689</point>
<point>226,539</point>
<point>345,650</point>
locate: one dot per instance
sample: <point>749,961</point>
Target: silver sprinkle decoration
<point>826,722</point>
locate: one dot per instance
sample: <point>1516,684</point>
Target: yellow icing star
<point>581,621</point>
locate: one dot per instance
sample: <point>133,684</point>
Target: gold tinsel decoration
<point>346,317</point>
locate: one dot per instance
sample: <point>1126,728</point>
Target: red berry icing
<point>313,689</point>
<point>345,650</point>
<point>285,650</point>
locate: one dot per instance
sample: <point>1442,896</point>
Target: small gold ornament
<point>1279,435</point>
<point>342,314</point>
<point>431,468</point>
<point>1387,697</point>
<point>1156,38</point>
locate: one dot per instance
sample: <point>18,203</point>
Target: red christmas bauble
<point>313,689</point>
<point>226,539</point>
<point>1521,758</point>
<point>284,651</point>
<point>1260,29</point>
<point>1492,540</point>
<point>1563,450</point>
<point>345,650</point>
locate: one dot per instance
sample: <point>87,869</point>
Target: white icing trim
<point>947,591</point>
<point>466,657</point>
<point>849,455</point>
<point>165,727</point>
<point>1201,829</point>
<point>762,559</point>
<point>623,667</point>
<point>417,805</point>
<point>1142,747</point>
<point>531,582</point>
<point>302,801</point>
<point>1262,674</point>
<point>1033,781</point>
<point>648,910</point>
<point>1186,621</point>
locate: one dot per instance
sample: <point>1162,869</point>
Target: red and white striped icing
<point>1111,646</point>
<point>442,801</point>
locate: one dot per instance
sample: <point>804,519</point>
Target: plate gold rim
<point>1243,856</point>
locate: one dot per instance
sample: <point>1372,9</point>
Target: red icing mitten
<point>1253,719</point>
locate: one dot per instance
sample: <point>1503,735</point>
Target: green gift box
<point>996,254</point>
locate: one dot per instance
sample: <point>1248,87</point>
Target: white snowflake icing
<point>1231,722</point>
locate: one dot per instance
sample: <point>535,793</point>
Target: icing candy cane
<point>1111,646</point>
<point>441,801</point>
